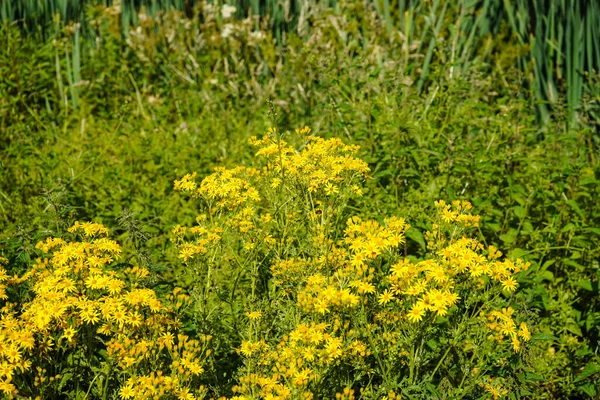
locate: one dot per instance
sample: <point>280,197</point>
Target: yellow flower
<point>331,189</point>
<point>254,315</point>
<point>247,348</point>
<point>385,297</point>
<point>167,339</point>
<point>524,332</point>
<point>302,377</point>
<point>184,394</point>
<point>69,333</point>
<point>509,284</point>
<point>127,392</point>
<point>416,313</point>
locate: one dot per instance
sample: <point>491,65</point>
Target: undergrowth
<point>98,130</point>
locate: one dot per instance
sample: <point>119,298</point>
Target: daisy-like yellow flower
<point>254,315</point>
<point>416,313</point>
<point>385,297</point>
<point>524,332</point>
<point>330,189</point>
<point>69,333</point>
<point>184,394</point>
<point>509,284</point>
<point>127,392</point>
<point>167,339</point>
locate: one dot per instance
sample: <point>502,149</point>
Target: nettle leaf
<point>589,389</point>
<point>544,336</point>
<point>417,236</point>
<point>589,370</point>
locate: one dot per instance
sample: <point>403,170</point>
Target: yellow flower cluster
<point>352,275</point>
<point>432,282</point>
<point>320,295</point>
<point>296,362</point>
<point>457,211</point>
<point>74,293</point>
<point>368,239</point>
<point>319,167</point>
<point>288,273</point>
<point>16,340</point>
<point>197,240</point>
<point>503,326</point>
<point>4,278</point>
<point>187,357</point>
<point>346,394</point>
<point>494,388</point>
<point>224,189</point>
<point>321,277</point>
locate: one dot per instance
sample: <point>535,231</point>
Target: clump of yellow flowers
<point>321,302</point>
<point>87,327</point>
<point>332,304</point>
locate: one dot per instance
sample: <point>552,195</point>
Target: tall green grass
<point>562,36</point>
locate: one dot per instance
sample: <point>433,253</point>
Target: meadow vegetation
<point>357,203</point>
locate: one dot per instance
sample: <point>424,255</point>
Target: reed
<point>563,36</point>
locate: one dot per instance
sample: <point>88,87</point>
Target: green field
<point>392,199</point>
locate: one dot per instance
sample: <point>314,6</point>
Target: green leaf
<point>534,377</point>
<point>544,336</point>
<point>509,237</point>
<point>589,370</point>
<point>574,329</point>
<point>589,389</point>
<point>587,285</point>
<point>593,230</point>
<point>519,211</point>
<point>587,181</point>
<point>545,275</point>
<point>517,253</point>
<point>568,227</point>
<point>63,381</point>
<point>576,208</point>
<point>417,236</point>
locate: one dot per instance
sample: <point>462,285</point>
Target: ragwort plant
<point>333,306</point>
<point>84,328</point>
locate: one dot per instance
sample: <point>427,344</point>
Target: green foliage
<point>96,125</point>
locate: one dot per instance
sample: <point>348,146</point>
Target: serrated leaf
<point>589,389</point>
<point>589,370</point>
<point>544,336</point>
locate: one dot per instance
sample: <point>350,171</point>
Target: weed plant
<point>96,126</point>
